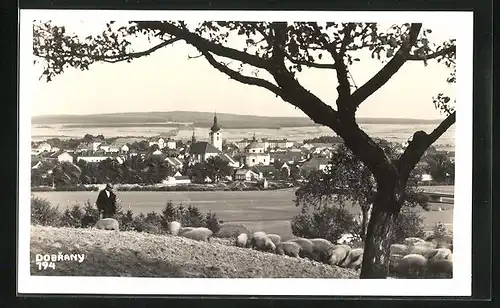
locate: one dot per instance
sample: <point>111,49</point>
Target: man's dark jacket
<point>105,204</point>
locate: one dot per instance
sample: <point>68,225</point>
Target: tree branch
<point>122,57</point>
<point>420,142</point>
<point>310,64</point>
<point>442,52</point>
<point>241,78</point>
<point>203,44</point>
<point>381,78</point>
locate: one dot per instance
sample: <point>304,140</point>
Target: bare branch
<point>241,78</point>
<point>442,128</point>
<point>419,143</point>
<point>203,44</point>
<point>381,78</point>
<point>442,52</point>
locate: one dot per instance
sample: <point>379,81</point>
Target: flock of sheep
<point>416,258</point>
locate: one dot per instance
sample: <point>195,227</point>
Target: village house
<point>246,175</point>
<point>171,144</point>
<point>176,163</point>
<point>255,154</point>
<point>265,171</point>
<point>44,147</point>
<point>315,164</point>
<point>200,152</point>
<point>159,141</point>
<point>177,179</point>
<point>288,157</point>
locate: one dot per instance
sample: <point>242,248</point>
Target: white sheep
<point>291,249</point>
<point>306,247</point>
<point>441,254</point>
<point>322,249</point>
<point>398,249</point>
<point>184,229</point>
<point>174,227</point>
<point>431,244</point>
<point>262,243</point>
<point>108,224</point>
<point>411,266</point>
<point>425,251</point>
<point>198,234</point>
<point>354,258</point>
<point>242,240</point>
<point>339,254</point>
<point>275,238</point>
<point>411,241</point>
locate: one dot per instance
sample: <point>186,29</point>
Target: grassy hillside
<point>111,253</point>
<point>199,119</point>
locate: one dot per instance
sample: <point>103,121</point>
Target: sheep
<point>354,258</point>
<point>306,247</point>
<point>441,254</point>
<point>108,224</point>
<point>275,238</point>
<point>431,244</point>
<point>262,242</point>
<point>411,241</point>
<point>439,268</point>
<point>184,229</point>
<point>339,254</point>
<point>198,234</point>
<point>291,249</point>
<point>174,227</point>
<point>411,266</point>
<point>398,249</point>
<point>242,240</point>
<point>322,249</point>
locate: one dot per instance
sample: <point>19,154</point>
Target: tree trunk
<point>378,238</point>
<point>365,218</point>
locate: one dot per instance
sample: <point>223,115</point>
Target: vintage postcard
<point>192,152</point>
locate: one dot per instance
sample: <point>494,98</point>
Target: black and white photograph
<point>191,152</point>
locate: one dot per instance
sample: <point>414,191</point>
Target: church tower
<point>215,135</point>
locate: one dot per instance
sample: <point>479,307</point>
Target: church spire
<point>193,138</point>
<point>215,127</point>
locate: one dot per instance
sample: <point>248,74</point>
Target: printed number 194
<point>45,265</point>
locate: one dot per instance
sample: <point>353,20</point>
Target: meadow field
<point>269,211</point>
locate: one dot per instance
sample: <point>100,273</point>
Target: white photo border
<point>459,285</point>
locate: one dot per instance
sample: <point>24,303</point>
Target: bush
<point>327,222</point>
<point>90,215</point>
<point>230,230</point>
<point>192,217</point>
<point>43,213</point>
<point>126,221</point>
<point>439,231</point>
<point>212,222</point>
<point>169,214</point>
<point>408,224</point>
<point>72,217</point>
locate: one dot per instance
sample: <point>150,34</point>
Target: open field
<point>125,254</point>
<point>268,211</point>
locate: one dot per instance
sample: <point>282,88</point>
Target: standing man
<point>106,202</point>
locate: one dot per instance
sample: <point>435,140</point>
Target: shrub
<point>169,214</point>
<point>408,224</point>
<point>126,221</point>
<point>212,222</point>
<point>326,222</point>
<point>90,215</point>
<point>229,230</point>
<point>43,213</point>
<point>192,217</point>
<point>439,231</point>
<point>73,217</point>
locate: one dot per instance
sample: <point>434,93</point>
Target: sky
<point>168,81</point>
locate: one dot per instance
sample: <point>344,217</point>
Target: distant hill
<point>198,119</point>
